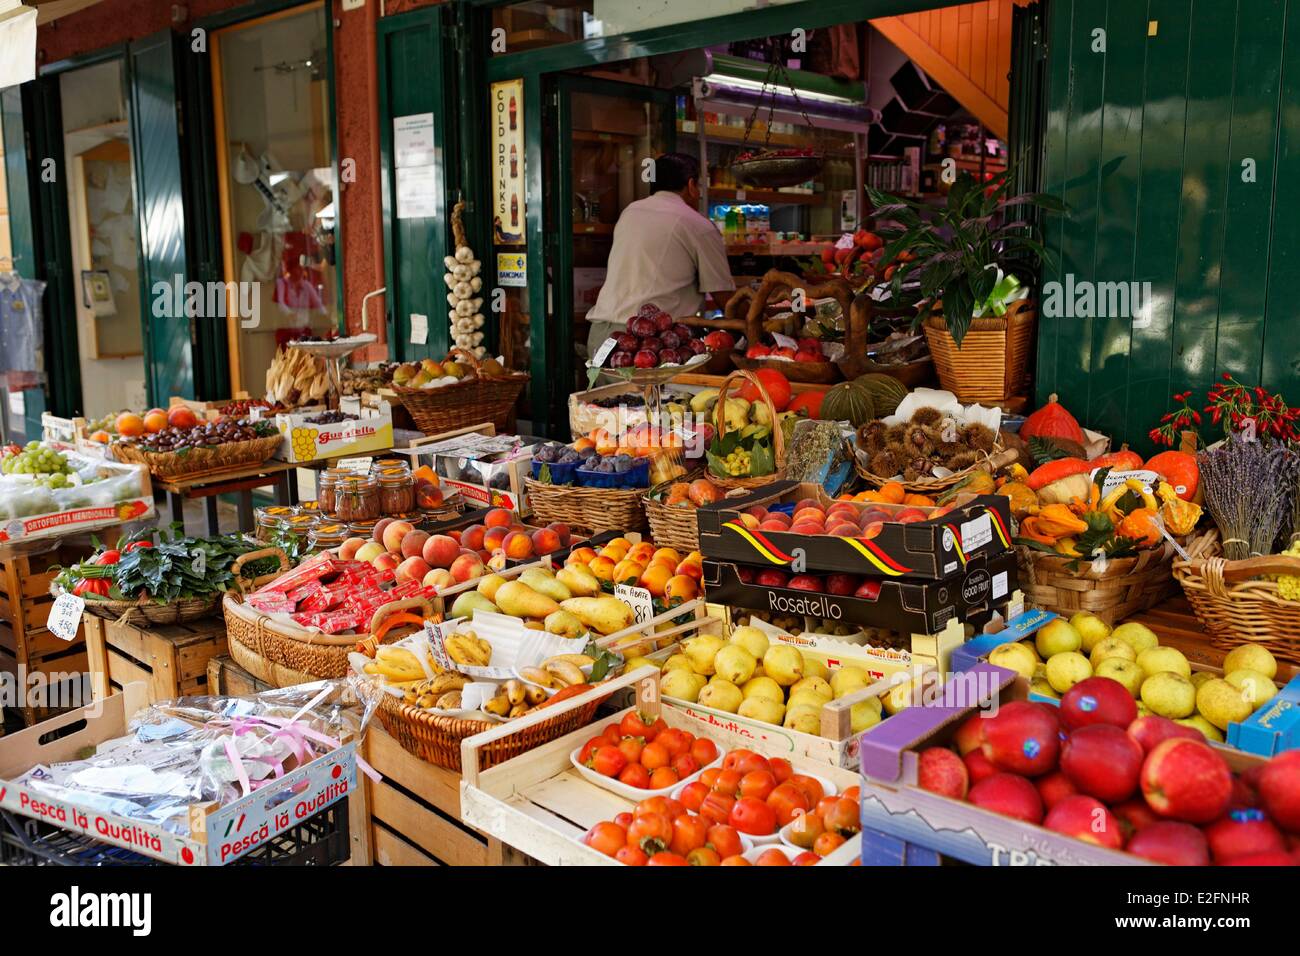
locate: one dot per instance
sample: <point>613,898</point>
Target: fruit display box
<point>928,544</point>
<point>586,413</point>
<point>486,469</point>
<point>122,492</point>
<point>218,834</point>
<point>305,441</point>
<point>540,805</point>
<point>913,607</point>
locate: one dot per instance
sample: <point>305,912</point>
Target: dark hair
<point>673,171</point>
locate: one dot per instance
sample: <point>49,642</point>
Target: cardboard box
<point>585,417</point>
<point>305,441</point>
<point>978,526</point>
<point>488,470</point>
<point>130,480</point>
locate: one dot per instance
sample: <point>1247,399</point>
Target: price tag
<point>784,341</point>
<point>65,616</point>
<point>638,599</point>
<point>602,353</point>
<point>740,195</point>
<point>419,329</point>
<point>845,241</point>
<point>358,466</point>
<point>437,636</point>
<point>1116,478</point>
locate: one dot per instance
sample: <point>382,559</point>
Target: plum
<point>697,346</point>
<point>625,342</point>
<point>620,360</point>
<point>670,339</point>
<point>645,359</point>
<point>642,327</point>
<point>683,331</point>
<point>650,342</point>
<point>663,321</point>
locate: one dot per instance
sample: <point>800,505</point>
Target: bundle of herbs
<point>1249,490</point>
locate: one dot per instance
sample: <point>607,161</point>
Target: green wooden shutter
<point>160,209</point>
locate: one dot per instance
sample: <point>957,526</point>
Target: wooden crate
<point>228,679</point>
<point>172,659</point>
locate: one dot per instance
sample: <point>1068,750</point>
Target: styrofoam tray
<point>633,793</point>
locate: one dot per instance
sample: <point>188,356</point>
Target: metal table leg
<point>246,510</point>
<point>210,510</point>
<point>177,506</point>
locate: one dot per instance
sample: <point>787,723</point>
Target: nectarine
<point>472,536</point>
<point>562,532</point>
<point>546,541</point>
<point>466,568</point>
<point>494,536</point>
<point>438,578</point>
<point>349,548</point>
<point>440,551</point>
<point>413,543</point>
<point>499,518</point>
<point>580,556</point>
<point>380,527</point>
<point>129,425</point>
<point>518,544</point>
<point>412,569</point>
<point>181,416</point>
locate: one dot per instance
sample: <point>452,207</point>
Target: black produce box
<point>977,526</point>
<point>913,607</point>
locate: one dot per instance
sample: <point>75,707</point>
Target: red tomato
<point>710,777</point>
<point>704,856</point>
<point>728,782</point>
<point>809,785</point>
<point>752,762</point>
<point>608,761</point>
<point>667,859</point>
<point>655,755</point>
<point>685,765</point>
<point>773,857</point>
<point>606,838</point>
<point>653,805</point>
<point>751,815</point>
<point>657,728</point>
<point>635,775</point>
<point>693,795</point>
<point>632,856</point>
<point>717,806</point>
<point>624,820</point>
<point>724,838</point>
<point>732,760</point>
<point>788,801</point>
<point>828,843</point>
<point>634,725</point>
<point>781,769</point>
<point>611,735</point>
<point>823,805</point>
<point>589,748</point>
<point>736,860</point>
<point>704,750</point>
<point>843,816</point>
<point>631,748</point>
<point>663,778</point>
<point>677,741</point>
<point>652,832</point>
<point>675,808</point>
<point>807,858</point>
<point>758,784</point>
<point>111,556</point>
<point>689,832</point>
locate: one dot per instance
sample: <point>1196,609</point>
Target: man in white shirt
<point>664,253</point>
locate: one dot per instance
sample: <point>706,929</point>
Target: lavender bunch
<point>1249,487</point>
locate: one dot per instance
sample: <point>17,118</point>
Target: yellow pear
<point>632,663</point>
<point>488,584</point>
<point>762,708</point>
<point>1251,657</point>
<point>1137,636</point>
<point>579,580</point>
<point>1016,657</point>
<point>544,583</point>
<point>784,664</point>
<point>519,600</point>
<point>807,699</point>
<point>1111,647</point>
<point>813,685</point>
<point>1204,726</point>
<point>721,695</point>
<point>862,715</point>
<point>1092,630</point>
<point>734,663</point>
<point>606,614</point>
<point>1157,660</point>
<point>1200,677</point>
<point>1256,687</point>
<point>1067,669</point>
<point>676,661</point>
<point>682,684</point>
<point>806,720</point>
<point>752,640</point>
<point>467,602</point>
<point>848,679</point>
<point>1169,695</point>
<point>764,687</point>
<point>1221,703</point>
<point>702,650</point>
<point>564,624</point>
<point>900,697</point>
<point>815,667</point>
<point>1040,686</point>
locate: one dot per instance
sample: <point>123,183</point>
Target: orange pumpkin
<point>1179,469</point>
<point>1122,460</point>
<point>1139,523</point>
<point>1052,421</point>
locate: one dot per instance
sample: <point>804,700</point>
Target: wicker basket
<point>477,399</point>
<point>1127,586</point>
<point>720,426</point>
<point>1236,606</point>
<point>199,462</point>
<point>595,509</point>
<point>809,373</point>
<point>996,459</point>
<point>993,360</point>
<point>436,739</point>
<point>671,526</point>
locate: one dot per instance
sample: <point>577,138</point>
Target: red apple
<point>1153,729</point>
<point>1086,818</point>
<point>1244,796</point>
<point>1102,761</point>
<point>1263,859</point>
<point>841,584</point>
<point>720,341</point>
<point>1186,780</point>
<point>805,582</point>
<point>771,579</point>
<point>978,766</point>
<point>746,575</point>
<point>970,735</point>
<point>1009,794</point>
<point>1097,700</point>
<point>868,591</point>
<point>1022,738</point>
<point>941,771</point>
<point>1135,814</point>
<point>1171,843</point>
<point>1054,788</point>
<point>1279,790</point>
<point>1243,833</point>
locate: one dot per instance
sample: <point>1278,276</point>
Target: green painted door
<point>1171,134</point>
<point>160,210</point>
<point>416,237</point>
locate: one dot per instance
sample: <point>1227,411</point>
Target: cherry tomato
<point>693,795</point>
<point>725,838</point>
<point>704,856</point>
<point>685,765</point>
<point>704,750</point>
<point>853,793</point>
<point>635,775</point>
<point>663,778</point>
<point>676,741</point>
<point>631,748</point>
<point>717,806</point>
<point>589,748</point>
<point>781,769</point>
<point>810,786</point>
<point>728,782</point>
<point>667,859</point>
<point>751,815</point>
<point>843,817</point>
<point>605,837</point>
<point>612,736</point>
<point>634,725</point>
<point>807,858</point>
<point>758,784</point>
<point>689,832</point>
<point>608,761</point>
<point>632,856</point>
<point>828,843</point>
<point>624,820</point>
<point>773,857</point>
<point>787,801</point>
<point>736,860</point>
<point>655,755</point>
<point>710,777</point>
<point>652,832</point>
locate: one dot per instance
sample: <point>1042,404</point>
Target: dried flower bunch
<point>915,448</point>
<point>1233,405</point>
<point>1249,490</point>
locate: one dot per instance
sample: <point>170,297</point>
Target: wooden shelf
<point>735,136</point>
<point>766,197</point>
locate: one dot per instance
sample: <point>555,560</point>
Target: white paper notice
<point>419,328</point>
<point>65,616</point>
<point>638,599</point>
<point>999,584</point>
<point>976,533</point>
<point>413,140</point>
<point>417,192</point>
<point>602,353</point>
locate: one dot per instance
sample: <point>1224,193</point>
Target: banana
<point>445,683</point>
<point>538,676</point>
<point>534,695</point>
<point>398,675</point>
<point>566,673</point>
<point>449,700</point>
<point>426,701</point>
<point>499,705</point>
<point>515,691</point>
<point>519,710</point>
<point>469,650</point>
<point>577,660</point>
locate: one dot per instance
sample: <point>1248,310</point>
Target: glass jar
<point>301,526</point>
<point>270,520</point>
<point>396,491</point>
<point>308,508</point>
<point>327,535</point>
<point>362,529</point>
<point>356,498</point>
<point>325,487</point>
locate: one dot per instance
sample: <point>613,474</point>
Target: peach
<point>642,553</point>
<point>807,503</point>
<point>807,527</point>
<point>844,529</point>
<point>749,521</point>
<point>484,555</point>
<point>518,525</point>
<point>455,536</point>
<point>498,561</point>
<point>613,552</point>
<point>428,495</point>
<point>413,543</point>
<point>380,527</point>
<point>770,525</point>
<point>493,537</point>
<point>667,555</point>
<point>602,567</point>
<point>499,518</point>
<point>472,537</point>
<point>694,569</point>
<point>682,587</point>
<point>842,514</point>
<point>440,551</point>
<point>628,572</point>
<point>872,528</point>
<point>546,541</point>
<point>155,422</point>
<point>129,425</point>
<point>758,511</point>
<point>394,534</point>
<point>655,578</point>
<point>779,517</point>
<point>385,562</point>
<point>438,578</point>
<point>181,416</point>
<point>349,548</point>
<point>412,569</point>
<point>809,514</point>
<point>621,543</point>
<point>518,544</point>
<point>581,555</point>
<point>466,568</point>
<point>561,531</point>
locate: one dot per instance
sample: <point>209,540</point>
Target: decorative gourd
<point>1044,475</point>
<point>1122,460</point>
<point>1023,500</point>
<point>886,391</point>
<point>848,402</point>
<point>1179,469</point>
<point>1139,524</point>
<point>1180,516</point>
<point>809,402</point>
<point>1052,421</point>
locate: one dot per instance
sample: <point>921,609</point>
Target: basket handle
<point>238,566</point>
<point>1234,572</point>
<point>720,412</point>
<point>776,281</point>
<point>467,358</point>
<point>405,604</point>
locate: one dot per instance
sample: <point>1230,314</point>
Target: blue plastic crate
<point>638,476</point>
<point>560,474</point>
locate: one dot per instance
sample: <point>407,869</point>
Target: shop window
<point>278,210</point>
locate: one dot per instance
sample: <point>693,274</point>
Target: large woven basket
<point>778,433</point>
<point>200,462</point>
<point>992,363</point>
<point>672,526</point>
<point>477,399</point>
<point>595,509</point>
<point>994,460</point>
<point>1127,586</point>
<point>436,738</point>
<point>1235,604</point>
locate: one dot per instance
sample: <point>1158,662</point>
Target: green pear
<point>1125,671</point>
<point>752,640</point>
<point>467,602</point>
<point>1222,704</point>
<point>1092,630</point>
<point>544,583</point>
<point>1257,688</point>
<point>1157,660</point>
<point>682,684</point>
<point>1210,731</point>
<point>1111,647</point>
<point>1169,695</point>
<point>1251,657</point>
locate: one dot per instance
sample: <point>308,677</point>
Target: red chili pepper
<point>137,544</point>
<point>98,586</point>
<point>111,556</point>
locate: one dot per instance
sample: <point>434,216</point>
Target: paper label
<point>845,241</point>
<point>638,599</point>
<point>999,584</point>
<point>360,466</point>
<point>65,616</point>
<point>976,533</point>
<point>437,634</point>
<point>419,329</point>
<point>740,195</point>
<point>784,341</point>
<point>1115,478</point>
<point>602,353</point>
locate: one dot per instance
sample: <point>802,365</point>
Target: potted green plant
<point>972,261</point>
